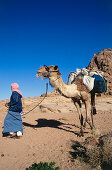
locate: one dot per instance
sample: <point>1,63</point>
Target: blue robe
<point>13,120</point>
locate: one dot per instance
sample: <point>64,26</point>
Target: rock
<point>45,108</point>
<point>103,62</point>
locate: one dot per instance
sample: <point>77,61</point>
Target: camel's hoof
<point>84,125</point>
<point>89,123</point>
<point>81,134</point>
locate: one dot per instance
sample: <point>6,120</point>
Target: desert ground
<point>49,133</point>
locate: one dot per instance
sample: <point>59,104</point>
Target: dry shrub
<point>106,145</point>
<point>95,152</point>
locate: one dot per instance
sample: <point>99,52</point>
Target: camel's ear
<point>44,65</point>
<point>56,67</point>
<point>46,68</point>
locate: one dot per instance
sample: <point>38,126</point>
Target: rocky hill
<point>103,62</point>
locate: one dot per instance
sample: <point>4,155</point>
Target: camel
<point>76,92</point>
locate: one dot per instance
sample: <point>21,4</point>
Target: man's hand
<point>6,105</point>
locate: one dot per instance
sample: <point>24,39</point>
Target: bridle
<point>47,68</point>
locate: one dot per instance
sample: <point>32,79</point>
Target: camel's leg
<point>85,98</point>
<point>87,119</point>
<point>80,116</point>
<point>93,108</point>
<point>86,106</point>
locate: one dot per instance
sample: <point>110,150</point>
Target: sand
<point>49,132</point>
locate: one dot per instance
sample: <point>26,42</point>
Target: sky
<point>52,32</point>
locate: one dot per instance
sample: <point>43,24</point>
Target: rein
<point>39,102</point>
<point>53,71</point>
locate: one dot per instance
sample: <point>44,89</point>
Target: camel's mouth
<point>38,76</point>
<point>42,75</point>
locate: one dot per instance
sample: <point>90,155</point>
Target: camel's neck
<point>57,83</point>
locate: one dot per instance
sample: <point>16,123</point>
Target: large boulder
<point>103,62</point>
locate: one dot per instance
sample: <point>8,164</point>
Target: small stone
<point>2,155</point>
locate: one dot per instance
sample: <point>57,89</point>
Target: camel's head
<point>45,71</point>
<point>42,71</point>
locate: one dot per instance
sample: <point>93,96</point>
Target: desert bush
<point>106,145</point>
<point>43,166</point>
<point>93,155</point>
<point>95,152</point>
